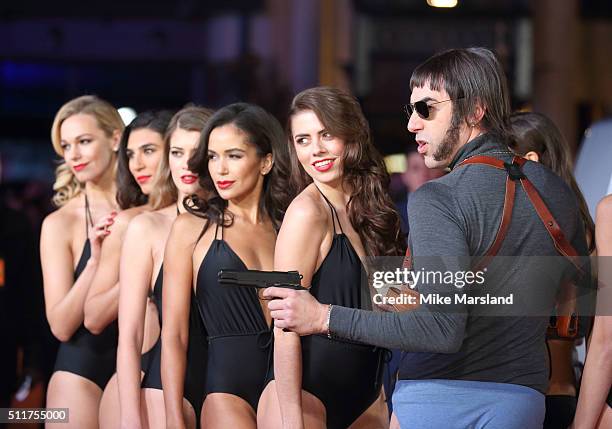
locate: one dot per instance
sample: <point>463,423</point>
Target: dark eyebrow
<point>147,146</point>
<point>301,135</point>
<point>234,149</point>
<point>426,99</point>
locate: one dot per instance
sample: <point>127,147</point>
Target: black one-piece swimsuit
<point>345,376</point>
<point>239,339</point>
<point>91,356</point>
<point>195,373</point>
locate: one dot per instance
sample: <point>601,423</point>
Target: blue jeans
<point>450,404</point>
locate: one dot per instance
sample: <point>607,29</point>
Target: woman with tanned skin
<point>140,278</point>
<point>343,214</point>
<point>85,133</point>
<point>241,161</point>
<point>595,400</point>
<point>140,150</point>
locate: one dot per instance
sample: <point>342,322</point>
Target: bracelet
<point>329,309</point>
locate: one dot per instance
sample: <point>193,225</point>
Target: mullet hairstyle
<point>190,118</point>
<point>471,77</point>
<point>536,132</point>
<point>66,185</point>
<point>370,209</point>
<point>129,193</point>
<point>265,133</point>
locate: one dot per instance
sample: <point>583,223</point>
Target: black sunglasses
<point>422,108</point>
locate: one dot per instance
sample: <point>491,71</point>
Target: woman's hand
<point>101,231</point>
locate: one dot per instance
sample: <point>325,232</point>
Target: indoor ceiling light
<point>442,3</point>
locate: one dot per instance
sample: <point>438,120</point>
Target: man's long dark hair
<point>370,209</point>
<point>471,77</point>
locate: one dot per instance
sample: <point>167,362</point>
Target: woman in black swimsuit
<point>140,151</point>
<point>85,134</point>
<point>342,216</point>
<point>242,164</point>
<point>141,277</point>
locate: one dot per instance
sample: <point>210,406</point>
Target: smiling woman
<point>342,215</point>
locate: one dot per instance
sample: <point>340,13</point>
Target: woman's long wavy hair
<point>535,132</point>
<point>266,134</point>
<point>370,208</point>
<point>129,193</point>
<point>190,118</point>
<point>66,185</point>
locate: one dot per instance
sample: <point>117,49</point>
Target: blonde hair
<point>66,185</point>
<point>190,118</point>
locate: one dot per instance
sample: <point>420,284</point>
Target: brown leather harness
<point>564,324</point>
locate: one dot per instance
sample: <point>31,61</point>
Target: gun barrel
<point>261,279</point>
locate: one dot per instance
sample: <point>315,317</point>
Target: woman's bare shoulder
<point>65,216</point>
<point>124,217</point>
<point>186,226</point>
<point>604,209</point>
<point>307,207</point>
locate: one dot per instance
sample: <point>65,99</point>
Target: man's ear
<point>477,115</point>
<point>532,156</point>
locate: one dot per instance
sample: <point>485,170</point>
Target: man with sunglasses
<point>462,367</point>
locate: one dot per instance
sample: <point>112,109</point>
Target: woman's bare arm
<point>65,297</point>
<point>102,302</point>
<point>136,271</point>
<point>598,366</point>
<point>297,248</point>
<point>176,299</point>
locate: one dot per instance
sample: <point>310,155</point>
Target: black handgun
<point>262,279</point>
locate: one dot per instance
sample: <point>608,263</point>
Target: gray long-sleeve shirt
<point>457,217</point>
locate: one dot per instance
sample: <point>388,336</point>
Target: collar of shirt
<point>484,144</point>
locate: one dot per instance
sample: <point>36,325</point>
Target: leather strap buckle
<point>514,171</point>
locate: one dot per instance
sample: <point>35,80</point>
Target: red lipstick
<point>323,165</point>
<point>224,184</point>
<point>143,179</point>
<point>79,167</point>
<point>189,179</point>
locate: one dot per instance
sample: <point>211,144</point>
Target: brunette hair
<point>190,118</point>
<point>129,193</point>
<point>470,77</point>
<point>66,185</point>
<point>370,209</point>
<point>266,134</point>
<point>536,132</point>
